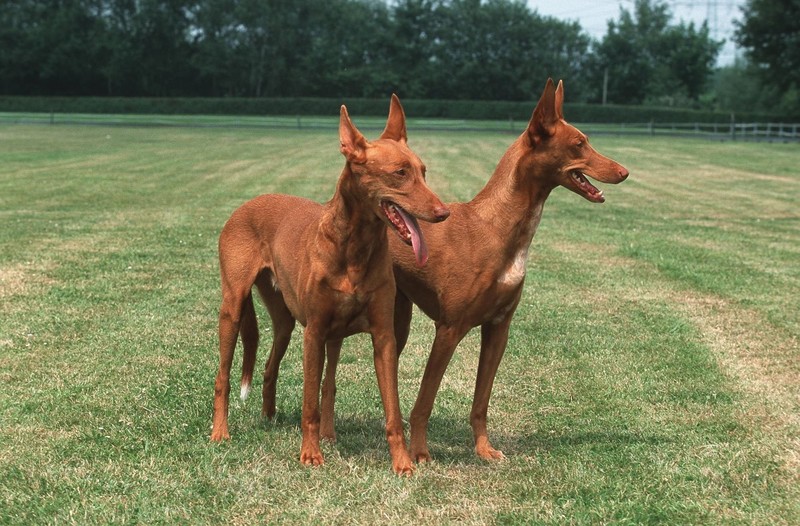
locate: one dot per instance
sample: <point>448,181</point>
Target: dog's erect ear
<point>560,100</point>
<point>546,114</point>
<point>396,123</point>
<point>353,144</point>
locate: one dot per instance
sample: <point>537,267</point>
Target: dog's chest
<point>351,302</point>
<point>513,274</point>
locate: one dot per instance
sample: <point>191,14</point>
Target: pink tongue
<point>417,241</point>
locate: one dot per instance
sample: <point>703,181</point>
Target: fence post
<point>733,127</point>
<point>52,118</point>
<point>298,122</point>
<point>652,128</point>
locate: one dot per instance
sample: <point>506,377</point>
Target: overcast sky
<point>593,16</point>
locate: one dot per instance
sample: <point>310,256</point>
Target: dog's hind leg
<point>283,324</point>
<point>327,430</point>
<point>249,333</point>
<point>229,324</point>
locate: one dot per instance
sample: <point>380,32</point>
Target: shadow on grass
<point>450,438</point>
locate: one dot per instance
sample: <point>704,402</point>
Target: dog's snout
<point>441,213</point>
<point>623,173</point>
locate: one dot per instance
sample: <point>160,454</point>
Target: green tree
<point>215,34</point>
<point>737,87</point>
<point>770,34</point>
<point>347,50</point>
<point>51,47</point>
<point>150,49</point>
<point>645,58</point>
<point>279,48</point>
<point>411,48</point>
<point>500,50</point>
<point>461,49</point>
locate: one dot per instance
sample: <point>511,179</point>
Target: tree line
<point>436,49</point>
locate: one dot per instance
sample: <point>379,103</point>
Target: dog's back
<point>327,267</point>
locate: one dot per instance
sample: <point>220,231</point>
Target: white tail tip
<point>245,392</point>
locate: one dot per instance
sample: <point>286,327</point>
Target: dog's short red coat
<point>327,266</point>
<point>477,264</point>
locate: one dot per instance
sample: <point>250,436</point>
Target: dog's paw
<point>489,453</point>
<point>484,449</point>
<point>422,456</point>
<point>402,465</point>
<point>219,435</point>
<point>268,411</point>
<point>312,458</point>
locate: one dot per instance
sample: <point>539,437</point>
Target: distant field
<point>744,131</point>
<point>248,121</point>
<point>652,376</point>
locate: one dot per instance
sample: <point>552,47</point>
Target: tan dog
<point>328,267</point>
<point>477,269</point>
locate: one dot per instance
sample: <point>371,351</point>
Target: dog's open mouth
<point>407,228</point>
<point>585,188</point>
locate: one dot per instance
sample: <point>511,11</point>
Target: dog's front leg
<point>444,344</point>
<point>385,356</point>
<point>313,361</point>
<point>494,338</point>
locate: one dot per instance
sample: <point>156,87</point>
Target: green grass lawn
<point>652,375</point>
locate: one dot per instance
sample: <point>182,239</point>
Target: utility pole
<point>711,17</point>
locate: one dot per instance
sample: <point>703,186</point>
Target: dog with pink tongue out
<point>328,267</point>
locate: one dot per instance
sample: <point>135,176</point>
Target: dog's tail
<point>249,333</point>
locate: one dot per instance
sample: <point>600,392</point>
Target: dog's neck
<point>513,198</point>
<point>351,226</point>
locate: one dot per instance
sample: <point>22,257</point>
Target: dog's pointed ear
<point>396,123</point>
<point>545,115</point>
<point>560,100</point>
<point>353,145</point>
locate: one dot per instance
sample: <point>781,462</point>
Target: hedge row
<point>453,109</point>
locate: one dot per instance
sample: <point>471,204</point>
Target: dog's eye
<point>401,172</point>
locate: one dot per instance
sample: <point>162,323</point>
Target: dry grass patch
<point>12,281</point>
<point>759,357</point>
